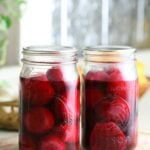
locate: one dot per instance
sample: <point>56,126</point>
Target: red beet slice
<point>55,76</point>
<point>67,107</point>
<point>124,89</point>
<point>97,75</point>
<point>115,74</point>
<point>51,143</point>
<point>37,90</point>
<point>118,88</point>
<point>92,96</point>
<point>121,87</point>
<point>26,143</point>
<point>38,120</point>
<point>73,146</point>
<point>117,84</point>
<point>113,109</point>
<point>62,112</point>
<point>68,133</point>
<point>107,136</point>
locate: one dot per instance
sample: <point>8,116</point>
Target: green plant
<point>10,12</point>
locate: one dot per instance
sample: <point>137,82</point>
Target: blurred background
<point>76,23</point>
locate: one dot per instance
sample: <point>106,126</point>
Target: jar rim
<point>109,48</point>
<point>109,53</point>
<point>47,54</point>
<point>48,49</point>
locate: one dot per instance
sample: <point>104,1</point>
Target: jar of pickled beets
<point>110,92</point>
<point>49,99</point>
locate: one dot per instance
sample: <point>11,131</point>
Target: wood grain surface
<point>9,141</point>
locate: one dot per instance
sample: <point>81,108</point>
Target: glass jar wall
<point>110,89</point>
<point>49,99</point>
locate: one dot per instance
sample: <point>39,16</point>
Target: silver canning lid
<point>109,53</point>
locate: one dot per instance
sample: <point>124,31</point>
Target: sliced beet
<point>26,143</point>
<point>97,75</point>
<point>113,109</point>
<point>37,90</point>
<point>51,143</point>
<point>39,120</point>
<point>56,78</point>
<point>68,133</point>
<point>67,106</point>
<point>107,136</point>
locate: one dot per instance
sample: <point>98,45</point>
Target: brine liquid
<point>110,113</point>
<point>49,113</point>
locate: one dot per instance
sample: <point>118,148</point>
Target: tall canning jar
<point>49,99</point>
<point>110,92</point>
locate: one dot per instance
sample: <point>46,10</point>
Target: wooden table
<point>9,141</point>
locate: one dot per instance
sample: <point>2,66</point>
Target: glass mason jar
<point>49,99</point>
<point>110,92</point>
